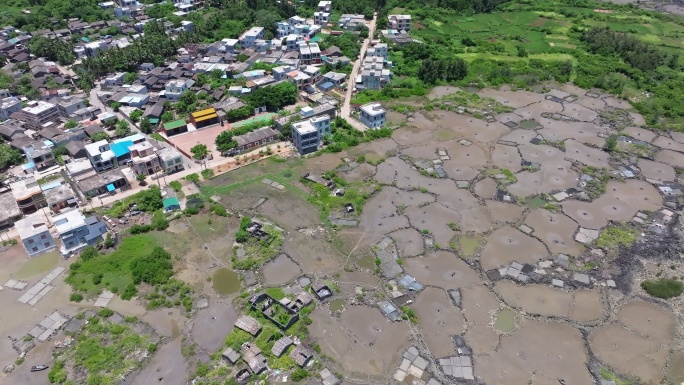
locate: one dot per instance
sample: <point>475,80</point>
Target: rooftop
<point>31,225</point>
<point>23,189</point>
<point>169,153</point>
<point>373,109</point>
<point>59,194</point>
<point>304,127</point>
<point>99,180</point>
<point>37,107</point>
<point>257,135</point>
<point>69,221</point>
<point>8,207</point>
<point>248,324</point>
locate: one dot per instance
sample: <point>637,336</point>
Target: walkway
<point>346,107</point>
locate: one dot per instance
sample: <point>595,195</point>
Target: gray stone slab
<point>420,362</point>
<point>557,283</point>
<point>457,371</point>
<point>581,278</point>
<point>563,260</point>
<point>517,266</point>
<point>610,283</point>
<point>466,361</point>
<point>405,364</point>
<point>468,373</point>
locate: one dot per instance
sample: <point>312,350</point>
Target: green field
<point>528,42</point>
<point>257,119</point>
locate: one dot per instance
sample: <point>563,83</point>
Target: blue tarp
<point>327,86</point>
<point>121,148</point>
<point>110,187</point>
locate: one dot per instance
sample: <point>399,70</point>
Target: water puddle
<point>225,281</point>
<point>337,305</point>
<point>536,202</point>
<point>505,321</point>
<point>367,262</point>
<point>469,245</point>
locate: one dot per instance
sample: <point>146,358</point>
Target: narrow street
<point>346,106</point>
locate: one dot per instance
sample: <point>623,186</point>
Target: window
<point>34,249</point>
<point>31,241</point>
<point>46,245</point>
<point>43,236</point>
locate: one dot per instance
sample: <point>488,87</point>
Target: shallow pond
<point>225,281</point>
<point>505,321</point>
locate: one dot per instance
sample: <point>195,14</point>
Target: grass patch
<point>615,237</point>
<point>664,288</point>
<point>258,252</point>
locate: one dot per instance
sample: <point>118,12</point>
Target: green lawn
<point>259,118</point>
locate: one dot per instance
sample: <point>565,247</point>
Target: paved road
<point>346,106</point>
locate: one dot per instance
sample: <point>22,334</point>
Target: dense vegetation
<point>665,288</point>
<point>624,50</point>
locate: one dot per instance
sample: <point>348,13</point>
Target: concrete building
<point>101,156</point>
<point>309,53</point>
<point>373,75</point>
<point>321,18</point>
<point>60,197</point>
<point>379,50</point>
<point>204,118</point>
<point>78,231</point>
<point>249,37</point>
<point>144,160</point>
<point>351,22</point>
<point>39,114</point>
<point>305,137</point>
<point>372,115</point>
<point>68,105</point>
<point>39,156</point>
<point>256,138</point>
<point>176,87</point>
<point>104,183</point>
<point>9,211</point>
<point>399,22</point>
<point>8,106</point>
<point>116,79</point>
<point>34,233</point>
<point>170,159</point>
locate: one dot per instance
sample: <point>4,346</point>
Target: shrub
<point>176,186</point>
<point>194,178</point>
<point>155,268</point>
<point>219,210</point>
<point>109,241</point>
<point>76,297</point>
<point>88,253</point>
<point>104,313</point>
<point>207,173</point>
<point>139,229</point>
<point>665,288</point>
<point>159,221</point>
<point>242,236</point>
<point>299,375</point>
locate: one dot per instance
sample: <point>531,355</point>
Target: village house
<point>372,115</point>
<point>253,357</point>
<point>60,197</point>
<point>34,234</point>
<point>248,324</point>
<point>9,211</point>
<point>301,355</point>
<point>256,138</point>
<point>39,114</point>
<point>78,231</point>
<point>249,37</point>
<point>400,22</point>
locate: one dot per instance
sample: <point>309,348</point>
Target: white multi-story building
<point>321,18</point>
<point>309,53</point>
<point>249,37</point>
<point>325,6</point>
<point>373,75</point>
<point>372,115</point>
<point>100,155</point>
<point>400,22</point>
<point>144,160</point>
<point>307,134</point>
<point>34,233</point>
<point>39,114</point>
<point>170,160</point>
<point>176,87</point>
<point>78,231</point>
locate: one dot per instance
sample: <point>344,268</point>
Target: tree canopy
<point>225,141</point>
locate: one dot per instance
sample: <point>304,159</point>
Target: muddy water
<point>640,348</point>
<point>675,368</point>
<point>41,264</point>
<point>442,269</point>
<point>439,319</point>
<point>280,271</point>
<point>527,351</point>
<point>506,245</point>
<point>555,230</point>
<point>536,202</point>
<point>225,281</point>
<point>505,321</point>
<point>504,212</point>
<point>656,170</point>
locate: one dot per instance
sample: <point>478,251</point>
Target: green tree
<point>8,156</point>
<point>130,77</point>
<point>224,141</point>
<point>167,116</point>
<point>122,128</point>
<point>199,151</point>
<point>141,178</point>
<point>145,126</point>
<point>116,106</point>
<point>155,268</point>
<point>136,115</point>
<point>611,143</point>
<point>98,136</point>
<point>71,124</point>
